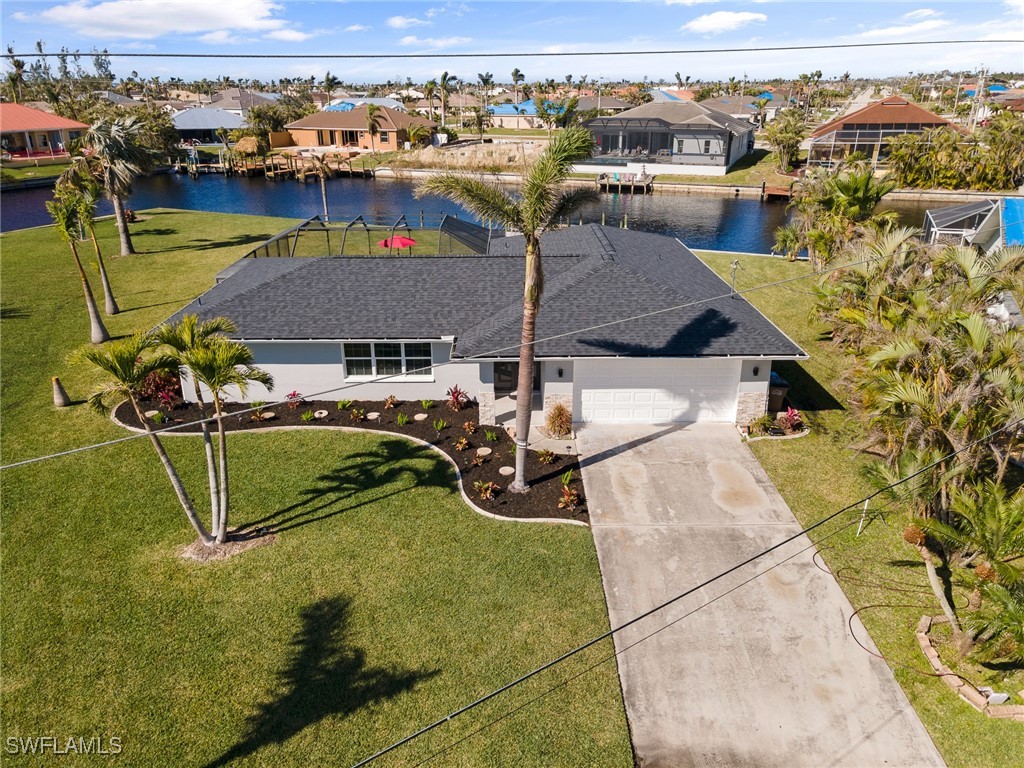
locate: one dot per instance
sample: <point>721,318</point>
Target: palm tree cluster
<point>215,364</point>
<point>833,211</point>
<point>784,136</point>
<point>939,382</point>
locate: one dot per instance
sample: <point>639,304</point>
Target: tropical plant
<point>559,420</point>
<point>784,135</point>
<point>323,172</point>
<point>219,364</point>
<point>570,499</point>
<point>999,626</point>
<point>113,152</point>
<point>444,86</point>
<point>129,362</point>
<point>427,404</point>
<point>457,398</point>
<point>567,478</point>
<point>461,444</point>
<point>439,426</point>
<point>391,401</point>
<point>402,419</point>
<point>469,427</point>
<point>429,91</point>
<point>374,116</point>
<point>490,435</point>
<point>65,211</point>
<point>86,191</point>
<point>344,405</point>
<point>538,208</point>
<point>419,134</point>
<point>517,78</point>
<point>544,456</point>
<point>308,416</point>
<point>357,414</point>
<point>331,83</point>
<point>485,491</point>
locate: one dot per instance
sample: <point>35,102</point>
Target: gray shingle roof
<point>594,276</point>
<point>206,119</point>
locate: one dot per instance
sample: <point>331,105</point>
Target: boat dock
<point>777,192</point>
<point>273,167</point>
<point>634,183</point>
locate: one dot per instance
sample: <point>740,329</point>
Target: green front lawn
<point>384,604</point>
<point>820,474</point>
<point>13,176</point>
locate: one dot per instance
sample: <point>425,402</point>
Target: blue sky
<point>437,28</point>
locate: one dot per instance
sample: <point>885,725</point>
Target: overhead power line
<point>517,55</point>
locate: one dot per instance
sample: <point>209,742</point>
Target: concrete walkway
<point>767,675</point>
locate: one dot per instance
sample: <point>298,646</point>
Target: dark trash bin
<point>778,388</point>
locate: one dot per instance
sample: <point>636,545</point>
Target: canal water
<point>712,222</point>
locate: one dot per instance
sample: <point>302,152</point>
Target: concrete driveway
<point>767,675</point>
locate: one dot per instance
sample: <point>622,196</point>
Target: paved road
<point>765,676</point>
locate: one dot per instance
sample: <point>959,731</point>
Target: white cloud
<point>405,22</point>
<point>219,37</point>
<point>722,21</point>
<point>288,35</point>
<point>21,16</point>
<point>921,13</point>
<point>434,42</point>
<point>904,30</point>
<point>148,20</point>
<point>357,28</point>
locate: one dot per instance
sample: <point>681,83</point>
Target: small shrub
<point>457,398</point>
<point>491,435</point>
<point>294,399</point>
<point>159,382</point>
<point>559,421</point>
<point>796,421</point>
<point>546,456</point>
<point>440,425</point>
<point>166,398</point>
<point>390,402</point>
<point>158,417</point>
<point>258,407</point>
<point>402,419</point>
<point>129,215</point>
<point>461,444</point>
<point>357,414</point>
<point>344,405</point>
<point>427,404</point>
<point>485,490</point>
<point>469,427</point>
<point>762,425</point>
<point>570,499</point>
<point>478,461</point>
<point>307,416</point>
<point>567,477</point>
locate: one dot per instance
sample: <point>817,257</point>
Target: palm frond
<point>488,201</point>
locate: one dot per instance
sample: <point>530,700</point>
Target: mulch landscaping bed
<point>544,479</point>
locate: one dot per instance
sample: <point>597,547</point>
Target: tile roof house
<point>28,132</point>
<point>689,136</point>
<point>868,130</point>
<point>694,353</point>
<point>348,129</point>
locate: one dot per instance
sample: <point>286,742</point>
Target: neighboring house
<point>743,107</point>
<point>603,104</point>
<point>689,136</point>
<point>346,104</point>
<point>320,323</point>
<point>27,132</point>
<point>203,123</point>
<point>241,100</point>
<point>672,94</point>
<point>985,224</point>
<point>868,130</point>
<point>348,129</point>
<point>115,98</point>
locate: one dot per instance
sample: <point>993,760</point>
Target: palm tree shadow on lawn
<point>324,677</point>
<point>350,484</point>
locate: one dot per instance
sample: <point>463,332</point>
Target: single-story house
<point>241,100</point>
<point>203,123</point>
<point>985,224</point>
<point>685,134</point>
<point>348,129</point>
<point>867,130</point>
<point>428,323</point>
<point>744,108</point>
<point>27,132</point>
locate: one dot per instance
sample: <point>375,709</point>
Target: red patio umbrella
<point>398,241</point>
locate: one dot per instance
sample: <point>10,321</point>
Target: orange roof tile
<point>894,109</point>
<point>15,118</point>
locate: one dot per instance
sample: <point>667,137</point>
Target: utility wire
<point>662,606</point>
<point>425,369</point>
<point>521,54</point>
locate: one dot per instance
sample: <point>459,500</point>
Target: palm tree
<point>444,85</point>
<point>762,106</point>
<point>429,91</point>
<point>87,196</point>
<point>999,626</point>
<point>113,150</point>
<point>330,83</point>
<point>65,211</point>
<point>784,136</point>
<point>419,134</point>
<point>324,172</point>
<point>373,118</point>
<point>517,78</point>
<point>217,365</point>
<point>538,208</point>
<point>182,337</point>
<point>127,361</point>
<point>486,81</point>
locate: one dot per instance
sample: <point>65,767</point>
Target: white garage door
<point>655,391</point>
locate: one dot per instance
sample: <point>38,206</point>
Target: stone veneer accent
<point>486,402</point>
<point>750,406</point>
<point>965,690</point>
<point>550,400</point>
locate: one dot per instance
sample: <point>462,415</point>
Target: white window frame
<point>405,357</point>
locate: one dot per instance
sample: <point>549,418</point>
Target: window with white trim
<point>387,358</point>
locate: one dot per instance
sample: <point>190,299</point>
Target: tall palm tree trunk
<point>172,474</point>
<point>940,593</point>
<point>127,249</point>
<point>524,388</point>
<point>108,294</point>
<point>211,463</point>
<point>323,194</point>
<point>222,447</point>
<point>98,331</point>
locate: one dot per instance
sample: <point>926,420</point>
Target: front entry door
<point>506,378</point>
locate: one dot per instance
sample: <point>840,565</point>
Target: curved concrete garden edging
<point>805,433</point>
<point>458,474</point>
<point>965,690</point>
